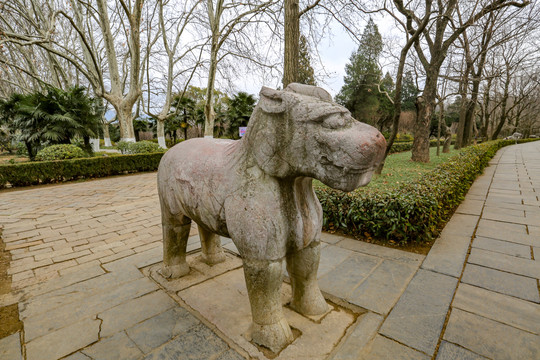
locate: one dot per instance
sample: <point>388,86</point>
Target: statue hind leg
<point>211,247</point>
<point>175,237</point>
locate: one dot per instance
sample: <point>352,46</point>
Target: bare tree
<point>96,28</point>
<point>230,24</point>
<point>437,38</point>
<point>182,56</point>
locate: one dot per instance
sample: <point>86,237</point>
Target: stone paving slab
<point>449,351</point>
<point>447,254</point>
<point>362,333</point>
<point>505,247</point>
<point>418,317</point>
<point>383,348</point>
<point>10,347</point>
<point>59,343</point>
<point>511,264</point>
<point>489,338</point>
<point>502,282</point>
<point>505,309</point>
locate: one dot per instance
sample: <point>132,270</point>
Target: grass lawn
<point>399,169</point>
<point>6,158</point>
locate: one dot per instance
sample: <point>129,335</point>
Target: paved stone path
<point>79,253</point>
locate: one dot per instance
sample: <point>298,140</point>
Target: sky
<point>334,52</point>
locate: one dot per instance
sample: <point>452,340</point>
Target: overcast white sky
<point>334,52</point>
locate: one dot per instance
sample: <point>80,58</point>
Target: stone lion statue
<point>258,192</point>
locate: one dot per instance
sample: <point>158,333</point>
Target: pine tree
<point>306,74</point>
<point>409,92</point>
<point>359,93</point>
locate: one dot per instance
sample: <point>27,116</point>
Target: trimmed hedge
<point>44,172</point>
<point>413,212</point>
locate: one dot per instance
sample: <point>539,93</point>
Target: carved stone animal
<point>258,192</point>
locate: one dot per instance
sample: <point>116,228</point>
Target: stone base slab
<point>219,295</point>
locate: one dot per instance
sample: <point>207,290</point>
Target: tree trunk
<point>292,39</point>
<point>441,119</point>
<point>209,112</point>
<point>424,110</point>
<point>106,134</point>
<point>30,150</point>
<point>447,141</point>
<point>504,114</point>
<point>160,130</point>
<point>464,86</point>
<point>125,121</point>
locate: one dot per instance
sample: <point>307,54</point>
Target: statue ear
<point>271,101</point>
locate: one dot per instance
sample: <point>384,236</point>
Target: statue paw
<point>311,303</point>
<point>174,271</point>
<point>213,259</point>
<point>272,336</point>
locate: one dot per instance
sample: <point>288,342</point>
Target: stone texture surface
<point>161,328</point>
<point>505,247</point>
<point>198,343</point>
<point>448,253</point>
<point>449,351</point>
<point>116,347</point>
<point>419,315</point>
<point>363,332</point>
<point>381,290</point>
<point>500,281</point>
<point>66,340</point>
<point>505,309</point>
<point>508,263</point>
<point>232,316</point>
<point>383,348</point>
<point>490,338</point>
<point>10,347</point>
<point>134,311</point>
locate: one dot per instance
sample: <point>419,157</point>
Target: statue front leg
<point>263,279</point>
<point>302,266</point>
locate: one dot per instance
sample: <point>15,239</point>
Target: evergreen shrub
<point>60,152</point>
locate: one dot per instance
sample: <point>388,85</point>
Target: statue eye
<point>334,121</point>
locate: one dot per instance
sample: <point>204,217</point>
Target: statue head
<point>300,131</point>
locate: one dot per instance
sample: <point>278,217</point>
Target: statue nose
<point>372,143</point>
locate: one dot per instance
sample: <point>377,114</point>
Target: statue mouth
<point>347,169</point>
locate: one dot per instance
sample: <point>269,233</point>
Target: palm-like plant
<point>54,117</point>
<point>239,111</point>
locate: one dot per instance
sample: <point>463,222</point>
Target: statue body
<point>258,191</point>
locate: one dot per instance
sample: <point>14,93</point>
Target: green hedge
<point>413,212</point>
<point>406,146</point>
<point>44,172</point>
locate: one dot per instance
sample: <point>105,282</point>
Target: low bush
<point>413,212</point>
<point>60,152</point>
<point>44,172</point>
<point>21,149</point>
<point>139,147</point>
